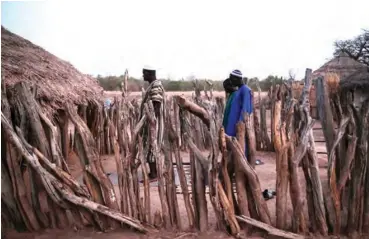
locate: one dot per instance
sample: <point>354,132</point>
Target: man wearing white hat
<point>156,94</point>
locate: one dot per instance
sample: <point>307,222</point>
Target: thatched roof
<point>357,80</point>
<point>342,65</point>
<point>56,80</point>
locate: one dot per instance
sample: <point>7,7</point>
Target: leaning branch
<point>271,230</point>
<point>194,109</point>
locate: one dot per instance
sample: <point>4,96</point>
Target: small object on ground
<point>269,194</point>
<point>258,162</point>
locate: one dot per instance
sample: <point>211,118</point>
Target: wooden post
<point>240,177</point>
<point>313,160</point>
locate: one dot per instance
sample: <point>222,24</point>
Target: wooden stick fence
<point>42,193</point>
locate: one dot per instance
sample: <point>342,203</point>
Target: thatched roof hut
<point>57,81</point>
<point>356,87</point>
<point>341,65</point>
<point>358,80</point>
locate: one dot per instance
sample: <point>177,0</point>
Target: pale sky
<point>207,39</point>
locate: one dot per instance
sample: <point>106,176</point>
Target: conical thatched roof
<point>342,65</point>
<point>357,80</point>
<point>57,81</point>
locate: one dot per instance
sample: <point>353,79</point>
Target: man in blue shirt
<point>241,103</point>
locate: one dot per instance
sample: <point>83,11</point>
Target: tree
<point>357,48</point>
<point>253,83</point>
<point>269,81</point>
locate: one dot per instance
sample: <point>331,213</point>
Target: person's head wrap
<point>148,68</point>
<point>236,73</point>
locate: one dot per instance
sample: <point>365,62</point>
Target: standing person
<point>156,94</point>
<point>229,89</point>
<point>241,103</point>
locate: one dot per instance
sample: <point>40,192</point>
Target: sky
<point>182,38</point>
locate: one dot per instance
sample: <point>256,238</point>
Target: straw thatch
<point>57,81</point>
<point>358,80</point>
<point>342,65</point>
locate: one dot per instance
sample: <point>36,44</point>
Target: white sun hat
<point>149,68</point>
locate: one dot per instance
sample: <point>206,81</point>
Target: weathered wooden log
<point>356,196</point>
<point>213,171</point>
<point>257,129</point>
<point>174,140</point>
<point>12,187</point>
<point>194,109</point>
<point>200,197</point>
<point>312,156</point>
<point>170,187</point>
<point>274,91</point>
<point>57,171</point>
<point>332,177</point>
<point>146,183</point>
<point>45,177</point>
<point>267,145</point>
<point>149,111</point>
<point>198,176</point>
<point>229,211</point>
<point>193,189</point>
<point>226,194</point>
<point>325,112</point>
<point>52,184</point>
<point>251,138</point>
<point>9,206</point>
<point>202,159</point>
<point>225,159</point>
<point>64,128</point>
<point>240,177</point>
<point>365,227</point>
<point>281,166</point>
<point>252,179</point>
<point>271,230</point>
<point>89,156</point>
<point>299,223</point>
<point>36,133</point>
<point>82,112</point>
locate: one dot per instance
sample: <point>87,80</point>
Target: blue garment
<point>241,103</point>
<point>107,103</point>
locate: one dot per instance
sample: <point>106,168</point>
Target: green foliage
<point>113,83</point>
<point>356,48</point>
<point>264,84</point>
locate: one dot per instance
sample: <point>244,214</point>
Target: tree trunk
<point>252,178</point>
<point>240,176</point>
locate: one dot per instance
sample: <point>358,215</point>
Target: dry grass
<point>333,81</point>
<point>57,81</point>
<point>358,80</point>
